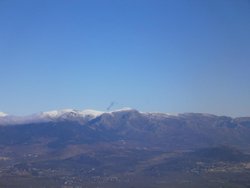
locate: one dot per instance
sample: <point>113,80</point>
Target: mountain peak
<point>70,113</point>
<point>123,109</point>
<point>57,113</point>
<point>2,114</point>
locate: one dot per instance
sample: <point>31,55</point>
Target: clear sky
<point>152,55</point>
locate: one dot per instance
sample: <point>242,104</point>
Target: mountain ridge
<point>72,114</point>
<point>123,148</point>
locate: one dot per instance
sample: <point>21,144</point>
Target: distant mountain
<point>50,116</point>
<point>124,148</point>
<point>54,116</point>
<point>182,131</point>
<point>2,114</point>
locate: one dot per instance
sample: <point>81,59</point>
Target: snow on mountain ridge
<point>2,114</point>
<point>57,113</point>
<point>94,113</point>
<point>71,112</point>
<point>84,115</point>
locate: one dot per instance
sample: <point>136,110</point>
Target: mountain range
<point>124,148</point>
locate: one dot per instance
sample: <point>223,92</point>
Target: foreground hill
<point>124,148</point>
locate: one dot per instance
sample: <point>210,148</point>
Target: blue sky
<point>152,55</point>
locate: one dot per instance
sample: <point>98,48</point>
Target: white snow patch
<point>57,113</point>
<point>71,112</point>
<point>90,112</point>
<point>122,110</point>
<point>2,114</point>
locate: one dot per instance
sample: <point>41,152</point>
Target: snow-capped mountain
<point>70,113</point>
<point>181,131</point>
<point>88,143</point>
<point>56,115</point>
<point>84,116</point>
<point>2,114</point>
